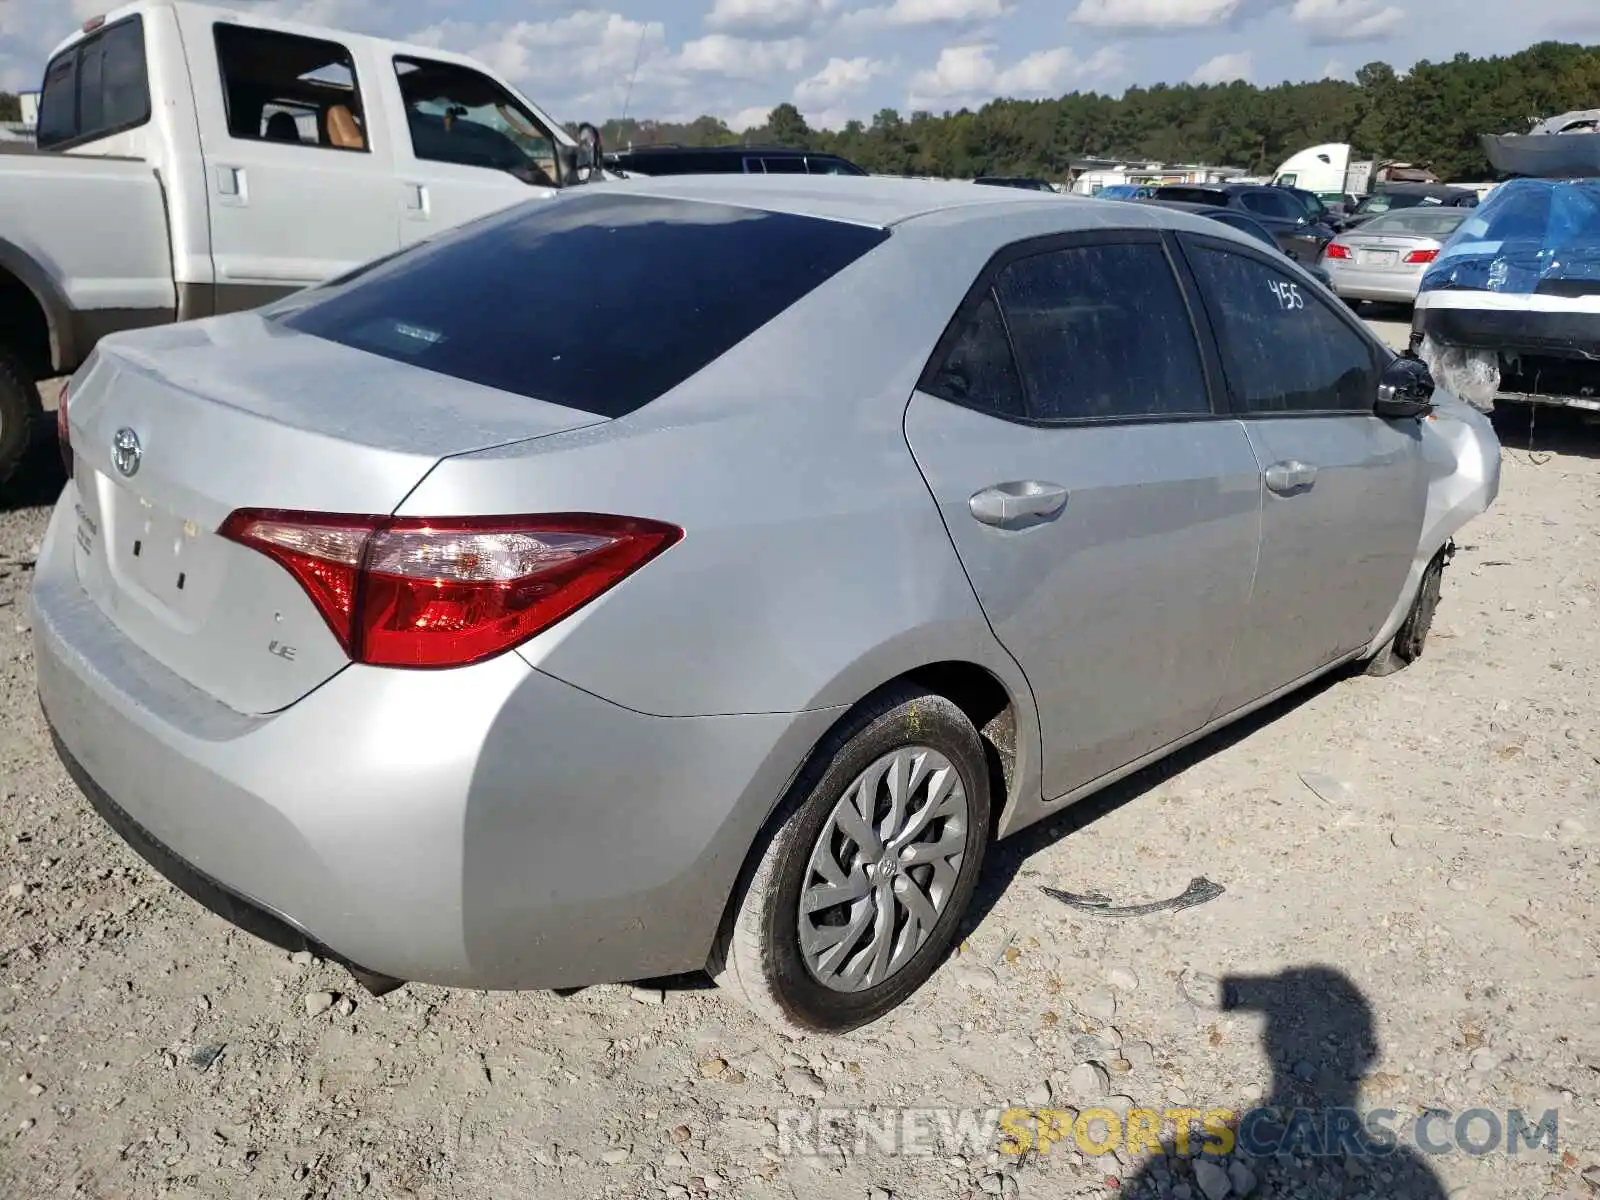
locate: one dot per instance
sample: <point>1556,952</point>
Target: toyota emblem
<point>126,451</point>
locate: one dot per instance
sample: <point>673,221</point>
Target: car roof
<point>876,200</point>
<point>769,151</point>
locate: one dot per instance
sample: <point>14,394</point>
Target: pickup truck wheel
<point>19,413</point>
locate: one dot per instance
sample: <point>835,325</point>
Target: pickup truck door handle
<point>1004,503</point>
<point>416,201</point>
<point>231,184</point>
<point>1289,475</point>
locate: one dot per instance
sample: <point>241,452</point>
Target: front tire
<point>1409,639</point>
<point>858,889</point>
<point>19,413</point>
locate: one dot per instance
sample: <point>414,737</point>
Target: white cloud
<point>969,75</point>
<point>906,13</point>
<point>1334,69</point>
<point>1224,68</point>
<point>840,78</point>
<point>749,118</point>
<point>742,58</point>
<point>770,17</point>
<point>1155,14</point>
<point>577,49</point>
<point>1348,20</point>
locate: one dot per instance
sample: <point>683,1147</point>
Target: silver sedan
<point>1385,258</point>
<point>701,572</point>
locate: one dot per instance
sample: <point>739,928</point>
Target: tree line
<point>1431,116</point>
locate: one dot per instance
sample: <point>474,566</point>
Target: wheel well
<point>988,706</point>
<point>27,330</point>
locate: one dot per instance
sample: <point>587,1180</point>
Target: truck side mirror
<point>589,150</point>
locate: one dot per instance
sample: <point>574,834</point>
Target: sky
<point>838,59</point>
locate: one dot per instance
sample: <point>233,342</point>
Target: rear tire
<point>1406,646</point>
<point>883,908</point>
<point>20,411</point>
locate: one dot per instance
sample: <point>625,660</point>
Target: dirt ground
<point>1410,859</point>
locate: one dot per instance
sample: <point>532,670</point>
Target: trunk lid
<point>174,429</point>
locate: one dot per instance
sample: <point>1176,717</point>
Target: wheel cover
<point>883,869</point>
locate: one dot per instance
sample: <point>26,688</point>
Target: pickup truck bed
<point>83,252</point>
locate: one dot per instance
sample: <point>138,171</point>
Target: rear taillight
<point>412,592</point>
<point>1335,250</point>
<point>1422,256</point>
<point>63,432</point>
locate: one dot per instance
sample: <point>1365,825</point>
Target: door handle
<point>1007,502</point>
<point>1289,475</point>
<point>231,184</point>
<point>416,200</point>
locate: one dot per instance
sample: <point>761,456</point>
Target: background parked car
<point>1125,191</point>
<point>1242,221</point>
<point>194,161</point>
<point>1280,213</point>
<point>1409,195</point>
<point>1385,257</point>
<point>727,160</point>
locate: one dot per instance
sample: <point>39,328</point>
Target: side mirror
<point>1405,389</point>
<point>589,150</point>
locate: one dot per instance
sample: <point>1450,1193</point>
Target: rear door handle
<point>416,201</point>
<point>1289,475</point>
<point>1007,502</point>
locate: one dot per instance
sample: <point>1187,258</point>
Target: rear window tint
<point>97,88</point>
<point>595,302</point>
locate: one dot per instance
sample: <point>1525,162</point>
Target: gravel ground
<point>1410,860</point>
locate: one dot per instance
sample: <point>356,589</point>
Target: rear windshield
<point>596,301</point>
<point>1421,222</point>
<point>95,89</point>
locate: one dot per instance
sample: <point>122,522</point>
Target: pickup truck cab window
<point>457,115</point>
<point>97,88</point>
<point>282,87</point>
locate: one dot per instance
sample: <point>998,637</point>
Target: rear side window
<point>97,88</point>
<point>1102,332</point>
<point>281,87</point>
<point>596,302</point>
<point>979,370</point>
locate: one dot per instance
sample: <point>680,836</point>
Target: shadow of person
<point>1307,1137</point>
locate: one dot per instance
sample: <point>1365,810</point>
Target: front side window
<point>297,91</point>
<point>458,115</point>
<point>600,301</point>
<point>1102,332</point>
<point>95,89</point>
<point>1284,349</point>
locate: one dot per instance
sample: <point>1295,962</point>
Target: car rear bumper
<point>1353,283</point>
<point>484,827</point>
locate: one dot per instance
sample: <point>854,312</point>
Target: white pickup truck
<point>192,161</point>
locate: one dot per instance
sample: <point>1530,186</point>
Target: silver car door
<point>1343,492</point>
<point>1107,517</point>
